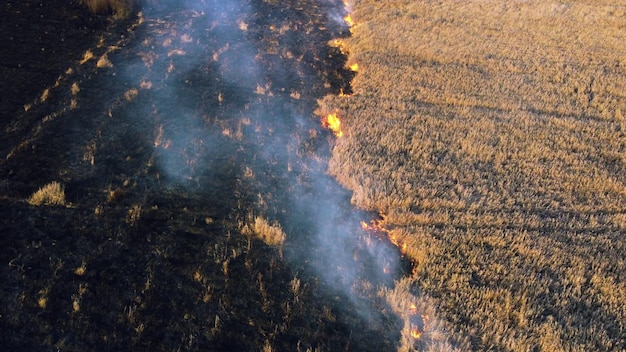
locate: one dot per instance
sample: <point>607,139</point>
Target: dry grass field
<point>491,137</point>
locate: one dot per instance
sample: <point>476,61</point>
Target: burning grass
<point>333,123</point>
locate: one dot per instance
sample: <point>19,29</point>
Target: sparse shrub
<point>134,214</point>
<point>267,347</point>
<point>50,194</point>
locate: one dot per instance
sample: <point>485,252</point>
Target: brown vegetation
<point>491,137</point>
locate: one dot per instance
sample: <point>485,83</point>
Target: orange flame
<point>373,226</point>
<point>354,67</point>
<point>416,333</point>
<point>387,267</point>
<point>377,228</point>
<point>340,45</point>
<point>417,322</point>
<point>349,20</point>
<point>333,123</point>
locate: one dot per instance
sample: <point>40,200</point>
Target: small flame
<point>417,322</point>
<point>349,20</point>
<point>333,123</point>
<point>354,67</point>
<point>374,226</point>
<point>416,333</point>
<point>387,268</point>
<point>340,45</point>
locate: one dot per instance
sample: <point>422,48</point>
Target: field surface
<point>491,137</point>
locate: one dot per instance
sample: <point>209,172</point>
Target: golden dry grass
<point>271,234</point>
<point>50,194</point>
<point>491,137</point>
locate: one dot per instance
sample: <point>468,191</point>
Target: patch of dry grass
<point>50,194</point>
<point>270,234</point>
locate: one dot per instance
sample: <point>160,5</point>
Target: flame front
<point>377,228</point>
<point>333,123</point>
<point>354,67</point>
<point>340,45</point>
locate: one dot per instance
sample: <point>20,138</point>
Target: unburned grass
<point>491,137</point>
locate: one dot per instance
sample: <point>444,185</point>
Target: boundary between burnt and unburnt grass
<point>422,330</point>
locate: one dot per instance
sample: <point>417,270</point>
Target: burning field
<point>259,175</point>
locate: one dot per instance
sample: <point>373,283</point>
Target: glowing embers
<point>417,322</point>
<point>333,123</point>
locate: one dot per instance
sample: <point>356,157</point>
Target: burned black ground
<point>148,251</point>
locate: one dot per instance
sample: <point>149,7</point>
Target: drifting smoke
<point>235,83</point>
<point>257,66</point>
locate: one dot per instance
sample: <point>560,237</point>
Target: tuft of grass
<point>270,234</point>
<point>50,194</point>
